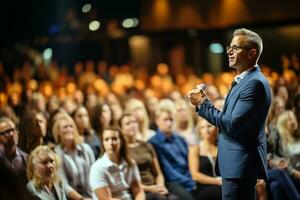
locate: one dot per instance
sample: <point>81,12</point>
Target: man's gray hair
<point>253,39</point>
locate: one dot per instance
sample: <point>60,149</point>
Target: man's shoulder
<point>154,139</point>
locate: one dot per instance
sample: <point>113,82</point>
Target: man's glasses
<point>7,132</point>
<point>234,48</point>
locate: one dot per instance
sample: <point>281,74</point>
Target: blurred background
<point>170,43</point>
<point>99,59</point>
<point>190,33</point>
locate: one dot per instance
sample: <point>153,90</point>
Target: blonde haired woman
<point>42,166</point>
<point>202,161</point>
<point>138,109</point>
<point>184,124</point>
<point>287,127</point>
<point>145,156</point>
<point>76,156</point>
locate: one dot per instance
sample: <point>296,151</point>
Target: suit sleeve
<point>247,108</point>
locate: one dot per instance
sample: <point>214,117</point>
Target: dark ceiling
<point>20,20</point>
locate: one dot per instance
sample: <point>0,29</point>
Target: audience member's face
<point>182,113</point>
<point>78,97</point>
<point>280,107</point>
<point>117,111</point>
<point>42,124</point>
<point>207,130</point>
<point>165,122</point>
<point>91,101</point>
<point>111,141</point>
<point>106,115</point>
<point>152,104</point>
<point>291,123</point>
<point>213,92</point>
<point>69,106</point>
<point>45,165</point>
<point>8,134</point>
<point>66,132</point>
<point>282,92</point>
<point>139,113</point>
<point>41,104</point>
<point>53,104</point>
<point>129,126</point>
<point>82,118</point>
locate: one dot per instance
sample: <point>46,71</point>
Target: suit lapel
<point>242,82</point>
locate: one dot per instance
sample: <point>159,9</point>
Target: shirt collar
<point>239,77</point>
<point>162,137</point>
<point>110,163</point>
<point>78,148</point>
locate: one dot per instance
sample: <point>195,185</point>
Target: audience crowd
<point>115,132</point>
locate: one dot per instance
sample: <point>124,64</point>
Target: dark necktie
<point>232,86</point>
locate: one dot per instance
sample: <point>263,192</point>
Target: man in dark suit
<point>242,142</point>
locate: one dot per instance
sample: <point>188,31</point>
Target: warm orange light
<point>155,81</point>
<point>3,100</point>
<point>71,87</point>
<point>33,84</point>
<point>180,79</point>
<point>162,68</point>
<point>62,93</point>
<point>101,86</point>
<point>139,84</point>
<point>48,90</point>
<point>229,9</point>
<point>161,12</point>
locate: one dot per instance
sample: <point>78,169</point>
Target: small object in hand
<point>202,89</point>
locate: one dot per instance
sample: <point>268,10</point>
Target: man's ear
<point>252,53</point>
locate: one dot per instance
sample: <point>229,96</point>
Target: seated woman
<point>145,156</point>
<point>44,183</point>
<point>76,156</point>
<point>115,175</point>
<point>32,130</point>
<point>138,109</point>
<point>82,120</point>
<point>202,159</point>
<point>184,124</point>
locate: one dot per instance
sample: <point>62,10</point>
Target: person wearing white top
<point>115,175</point>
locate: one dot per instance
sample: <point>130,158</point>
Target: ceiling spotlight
<point>130,22</point>
<point>94,25</point>
<point>86,8</point>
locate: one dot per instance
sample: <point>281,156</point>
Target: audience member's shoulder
<point>177,136</point>
<point>146,144</point>
<point>58,149</point>
<point>86,147</point>
<point>101,161</point>
<point>30,186</point>
<point>153,138</point>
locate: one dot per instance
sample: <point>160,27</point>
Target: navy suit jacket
<point>242,141</point>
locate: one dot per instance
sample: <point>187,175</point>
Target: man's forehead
<point>6,124</point>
